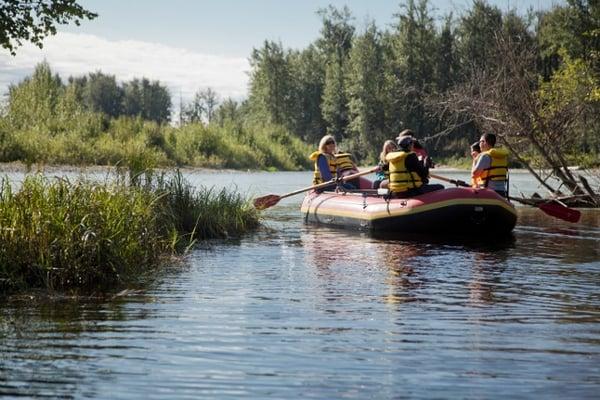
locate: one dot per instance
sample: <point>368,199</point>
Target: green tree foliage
<point>414,49</point>
<point>574,28</point>
<point>446,60</point>
<point>308,74</point>
<point>202,107</point>
<point>47,122</point>
<point>337,33</point>
<point>35,101</point>
<point>148,100</point>
<point>335,42</point>
<point>362,88</point>
<point>229,111</point>
<point>99,92</point>
<point>33,20</point>
<point>364,91</point>
<point>334,106</point>
<point>477,36</point>
<point>271,84</point>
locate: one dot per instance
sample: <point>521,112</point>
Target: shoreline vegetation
<point>83,236</point>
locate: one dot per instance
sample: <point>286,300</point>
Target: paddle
<point>456,182</point>
<point>553,207</point>
<point>270,200</point>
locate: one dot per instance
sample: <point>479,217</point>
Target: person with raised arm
<point>490,169</point>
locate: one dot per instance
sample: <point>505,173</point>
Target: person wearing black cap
<point>408,176</point>
<point>421,152</point>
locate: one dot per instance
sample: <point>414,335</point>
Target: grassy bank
<point>86,138</point>
<point>63,235</point>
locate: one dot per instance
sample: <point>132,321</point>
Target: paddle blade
<point>560,211</point>
<point>267,201</point>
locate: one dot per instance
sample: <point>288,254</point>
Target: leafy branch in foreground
<point>33,20</point>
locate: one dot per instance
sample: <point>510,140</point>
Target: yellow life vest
<point>498,170</point>
<point>400,178</point>
<point>331,160</point>
<point>344,162</point>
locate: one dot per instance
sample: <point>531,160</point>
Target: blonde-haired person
<point>382,177</point>
<point>326,163</point>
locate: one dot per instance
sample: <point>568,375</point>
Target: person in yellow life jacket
<point>490,170</point>
<point>418,148</point>
<point>346,166</point>
<point>326,163</point>
<point>408,176</point>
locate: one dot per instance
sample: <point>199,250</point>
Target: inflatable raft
<point>454,210</point>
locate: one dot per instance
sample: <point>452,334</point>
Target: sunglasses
<point>330,142</point>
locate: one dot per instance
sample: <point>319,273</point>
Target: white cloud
<point>183,71</point>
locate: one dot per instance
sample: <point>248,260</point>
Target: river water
<point>299,311</point>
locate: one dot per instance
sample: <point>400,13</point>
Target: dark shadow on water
<point>483,243</point>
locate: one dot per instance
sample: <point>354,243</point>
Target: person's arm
<point>483,162</point>
<point>324,168</point>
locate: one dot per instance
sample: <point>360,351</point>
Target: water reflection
<point>542,236</point>
<point>409,266</point>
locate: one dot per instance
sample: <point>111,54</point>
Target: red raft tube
<point>453,210</point>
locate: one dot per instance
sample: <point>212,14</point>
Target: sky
<point>189,45</point>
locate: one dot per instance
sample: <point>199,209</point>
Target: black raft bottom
<point>458,219</point>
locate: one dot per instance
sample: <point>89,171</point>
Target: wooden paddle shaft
<point>453,181</point>
<point>329,183</point>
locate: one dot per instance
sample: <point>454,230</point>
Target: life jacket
<point>498,170</point>
<point>331,160</point>
<point>344,162</point>
<point>400,178</point>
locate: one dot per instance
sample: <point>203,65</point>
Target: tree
<point>149,100</point>
<point>308,72</point>
<point>364,86</point>
<point>271,85</point>
<point>33,102</point>
<point>574,28</point>
<point>228,110</point>
<point>202,107</point>
<point>477,35</point>
<point>411,70</point>
<point>334,105</point>
<point>99,92</point>
<point>33,20</point>
<point>336,33</point>
<point>446,62</point>
<point>538,121</point>
<point>211,101</point>
<point>335,42</point>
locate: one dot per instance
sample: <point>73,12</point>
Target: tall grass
<point>59,235</point>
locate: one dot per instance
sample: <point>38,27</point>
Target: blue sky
<point>193,44</point>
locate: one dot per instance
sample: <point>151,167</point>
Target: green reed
<point>59,234</point>
<point>206,213</point>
